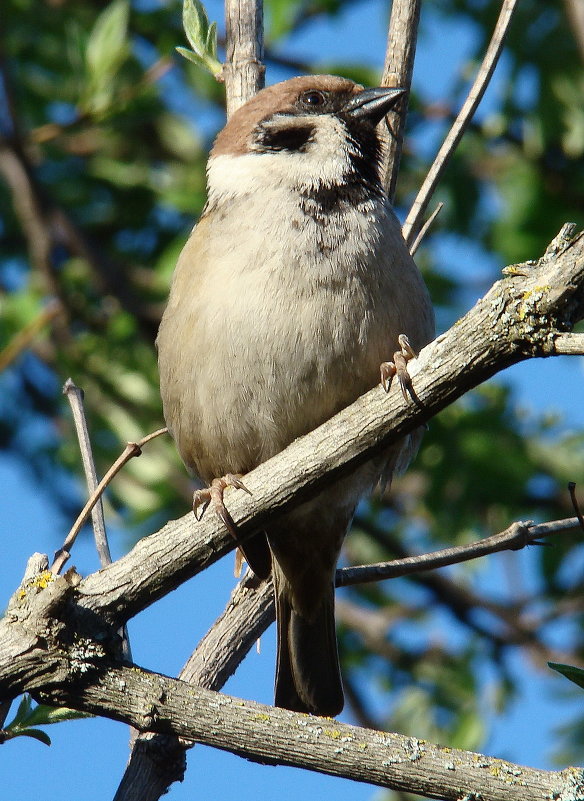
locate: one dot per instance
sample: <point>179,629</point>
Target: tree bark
<point>243,70</point>
<point>278,737</point>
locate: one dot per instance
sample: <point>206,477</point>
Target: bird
<point>291,290</point>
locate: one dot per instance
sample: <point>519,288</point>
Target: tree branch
<point>517,536</point>
<point>397,71</point>
<point>276,736</point>
<point>76,672</point>
<point>570,344</point>
<point>243,69</point>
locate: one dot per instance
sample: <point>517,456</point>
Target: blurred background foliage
<point>104,132</point>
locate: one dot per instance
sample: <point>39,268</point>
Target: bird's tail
<point>308,677</point>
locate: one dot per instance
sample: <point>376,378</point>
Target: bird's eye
<point>312,98</point>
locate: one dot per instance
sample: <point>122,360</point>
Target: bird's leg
<point>399,367</point>
<point>214,495</point>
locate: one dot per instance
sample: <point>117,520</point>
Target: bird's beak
<point>373,104</point>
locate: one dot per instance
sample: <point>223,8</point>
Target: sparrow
<point>291,291</point>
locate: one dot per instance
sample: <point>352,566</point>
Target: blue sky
<point>90,755</point>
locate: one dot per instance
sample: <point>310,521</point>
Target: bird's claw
<point>399,367</point>
<point>214,495</point>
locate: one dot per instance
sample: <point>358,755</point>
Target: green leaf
<point>107,49</point>
<point>42,715</point>
<point>39,715</point>
<point>211,40</point>
<point>36,734</point>
<point>575,674</point>
<point>107,46</point>
<point>22,712</point>
<point>195,23</point>
<point>191,56</point>
<point>202,37</point>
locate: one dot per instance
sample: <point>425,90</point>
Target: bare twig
<point>426,228</point>
<point>132,449</point>
<point>517,536</point>
<point>575,504</point>
<point>75,397</point>
<point>29,208</point>
<point>397,71</point>
<point>243,69</point>
<point>414,218</point>
<point>24,338</point>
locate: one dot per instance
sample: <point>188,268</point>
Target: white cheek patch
<point>324,162</point>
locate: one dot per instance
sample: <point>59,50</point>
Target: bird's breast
<point>283,313</point>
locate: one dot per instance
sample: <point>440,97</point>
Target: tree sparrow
<point>293,287</point>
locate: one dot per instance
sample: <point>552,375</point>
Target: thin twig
<point>397,71</point>
<point>575,504</point>
<point>75,397</point>
<point>132,449</point>
<point>517,536</point>
<point>426,228</point>
<point>414,218</point>
<point>575,14</point>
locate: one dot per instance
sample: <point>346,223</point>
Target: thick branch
<point>276,736</point>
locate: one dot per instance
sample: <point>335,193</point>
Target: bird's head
<point>310,131</point>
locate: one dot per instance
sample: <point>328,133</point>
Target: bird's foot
<point>214,495</point>
<point>399,367</point>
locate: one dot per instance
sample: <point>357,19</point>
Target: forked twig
<point>477,90</point>
<point>74,395</point>
<point>425,228</point>
<point>132,449</point>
